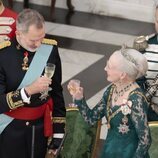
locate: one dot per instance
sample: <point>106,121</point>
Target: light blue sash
<point>35,69</point>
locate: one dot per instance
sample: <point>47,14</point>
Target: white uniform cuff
<point>58,135</point>
<point>24,96</point>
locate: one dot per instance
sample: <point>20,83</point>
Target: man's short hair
<point>29,17</point>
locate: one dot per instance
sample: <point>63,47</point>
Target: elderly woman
<point>123,104</point>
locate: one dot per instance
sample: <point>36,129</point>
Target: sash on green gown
<point>153,152</point>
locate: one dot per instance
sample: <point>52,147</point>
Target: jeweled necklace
<point>110,113</point>
<point>121,92</point>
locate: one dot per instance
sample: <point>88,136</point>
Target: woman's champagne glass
<point>48,72</point>
<point>73,87</point>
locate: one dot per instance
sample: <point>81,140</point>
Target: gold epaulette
<point>5,44</point>
<point>49,41</point>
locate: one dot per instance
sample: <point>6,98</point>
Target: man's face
<point>156,20</point>
<point>31,40</point>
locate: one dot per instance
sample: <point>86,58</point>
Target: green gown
<point>129,134</point>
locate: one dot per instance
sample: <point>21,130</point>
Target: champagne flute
<point>48,72</point>
<point>73,87</point>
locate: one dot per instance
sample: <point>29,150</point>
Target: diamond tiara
<point>126,55</point>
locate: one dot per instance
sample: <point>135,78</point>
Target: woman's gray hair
<point>29,17</point>
<point>132,62</point>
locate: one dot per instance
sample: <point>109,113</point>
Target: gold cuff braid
<point>59,120</point>
<point>14,100</point>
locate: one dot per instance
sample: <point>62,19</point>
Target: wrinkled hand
<point>39,85</point>
<point>76,92</point>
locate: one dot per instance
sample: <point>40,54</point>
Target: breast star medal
<point>125,109</point>
<point>123,128</point>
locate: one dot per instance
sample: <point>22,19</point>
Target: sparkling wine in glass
<point>48,72</point>
<point>74,85</point>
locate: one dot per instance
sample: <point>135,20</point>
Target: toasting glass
<point>48,72</point>
<point>73,87</point>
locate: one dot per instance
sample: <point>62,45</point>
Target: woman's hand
<point>75,90</point>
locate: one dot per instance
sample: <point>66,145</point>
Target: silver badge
<point>123,128</point>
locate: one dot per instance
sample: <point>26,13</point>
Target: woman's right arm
<point>91,116</point>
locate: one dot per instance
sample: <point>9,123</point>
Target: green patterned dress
<point>129,134</point>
